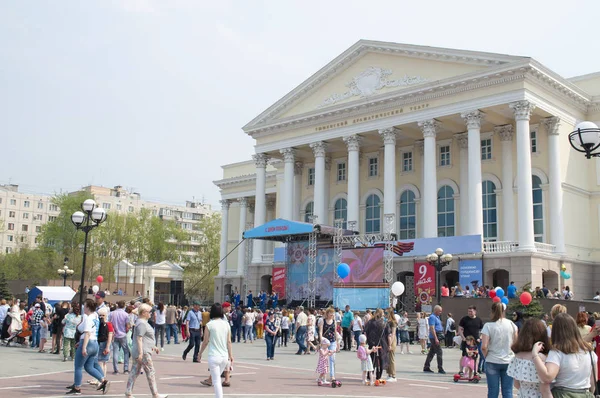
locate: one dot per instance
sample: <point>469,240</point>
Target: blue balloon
<point>567,275</point>
<point>504,300</point>
<point>343,270</point>
<point>500,293</point>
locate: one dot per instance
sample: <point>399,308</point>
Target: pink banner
<point>278,282</point>
<point>424,282</point>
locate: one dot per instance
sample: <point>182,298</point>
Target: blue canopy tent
<point>54,294</point>
<point>286,231</point>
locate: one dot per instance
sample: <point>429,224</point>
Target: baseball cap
<point>226,304</point>
<point>100,295</point>
<point>271,313</point>
<point>37,305</point>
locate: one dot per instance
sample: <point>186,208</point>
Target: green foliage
<point>4,290</point>
<point>137,237</point>
<point>533,310</point>
<point>199,275</point>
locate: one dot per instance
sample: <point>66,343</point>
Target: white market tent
<point>54,294</point>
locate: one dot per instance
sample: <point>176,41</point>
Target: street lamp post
<point>586,139</point>
<point>439,260</point>
<point>91,217</point>
<point>65,272</point>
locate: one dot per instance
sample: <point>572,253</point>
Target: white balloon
<point>95,289</point>
<point>496,288</point>
<point>398,288</point>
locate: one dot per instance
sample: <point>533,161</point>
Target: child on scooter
<point>366,365</point>
<point>323,362</point>
<point>469,358</point>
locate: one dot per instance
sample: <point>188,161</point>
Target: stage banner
<point>298,271</point>
<point>424,283</point>
<point>366,264</point>
<point>470,273</point>
<point>278,281</point>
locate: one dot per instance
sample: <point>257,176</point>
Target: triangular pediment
<point>369,69</point>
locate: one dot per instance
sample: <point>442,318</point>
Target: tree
<point>199,275</point>
<point>4,290</point>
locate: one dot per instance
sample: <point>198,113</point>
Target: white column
<point>298,166</point>
<point>389,169</point>
<point>557,228</point>
<point>260,205</point>
<point>462,140</point>
<point>473,120</point>
<point>326,190</point>
<point>522,110</point>
<point>150,288</point>
<point>224,235</point>
<point>319,149</point>
<point>429,128</point>
<point>353,144</point>
<point>243,203</point>
<point>420,212</point>
<point>287,204</point>
<point>508,198</point>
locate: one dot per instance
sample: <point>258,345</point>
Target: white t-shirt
<point>161,317</point>
<point>575,370</point>
<point>501,334</point>
<point>217,345</point>
<point>249,319</point>
<point>357,324</point>
<point>89,324</point>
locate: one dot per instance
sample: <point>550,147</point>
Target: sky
<point>152,95</point>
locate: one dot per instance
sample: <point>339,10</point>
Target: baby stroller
<point>19,335</point>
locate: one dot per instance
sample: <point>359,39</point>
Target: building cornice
<point>243,179</point>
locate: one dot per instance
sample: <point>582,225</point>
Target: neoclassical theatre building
<point>451,142</point>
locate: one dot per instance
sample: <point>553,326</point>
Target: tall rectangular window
<point>26,203</point>
<point>13,202</point>
<point>25,216</point>
<point>486,149</point>
<point>407,161</point>
<point>24,228</point>
<point>11,214</point>
<point>53,207</point>
<point>373,167</point>
<point>11,226</point>
<point>445,155</point>
<point>533,136</point>
<point>341,171</point>
<point>40,205</point>
<point>311,176</point>
<point>106,206</point>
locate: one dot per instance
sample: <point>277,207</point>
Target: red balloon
<point>99,279</point>
<point>496,299</point>
<point>525,298</point>
<point>492,293</point>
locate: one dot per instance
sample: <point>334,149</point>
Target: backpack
<point>102,331</point>
<point>361,353</point>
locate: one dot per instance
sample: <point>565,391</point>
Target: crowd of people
<point>548,357</point>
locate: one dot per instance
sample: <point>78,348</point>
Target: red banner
<point>424,283</point>
<point>278,282</point>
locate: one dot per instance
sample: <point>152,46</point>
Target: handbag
<point>595,394</point>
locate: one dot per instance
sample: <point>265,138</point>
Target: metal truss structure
<point>248,260</point>
<point>312,264</point>
<point>337,239</point>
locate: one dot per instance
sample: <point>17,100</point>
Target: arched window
<point>445,207</point>
<point>373,218</point>
<point>308,211</point>
<point>341,211</point>
<point>408,215</point>
<point>538,209</point>
<point>490,213</point>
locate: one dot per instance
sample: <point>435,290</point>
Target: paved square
<point>27,373</point>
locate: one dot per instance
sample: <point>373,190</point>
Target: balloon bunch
<point>563,272</point>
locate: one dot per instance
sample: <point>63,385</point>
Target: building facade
<point>449,142</point>
<point>23,214</point>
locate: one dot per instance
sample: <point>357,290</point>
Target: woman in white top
<point>285,327</point>
<point>217,336</point>
<point>422,331</point>
<point>357,328</point>
<point>248,322</point>
<point>521,368</point>
<point>571,364</point>
<point>497,338</point>
<point>160,320</point>
<point>17,314</point>
<point>86,356</point>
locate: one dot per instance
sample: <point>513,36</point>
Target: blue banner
<point>361,298</point>
<point>470,273</point>
<point>298,271</point>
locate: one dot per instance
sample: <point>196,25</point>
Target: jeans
<point>236,332</point>
<point>120,343</point>
<point>481,365</point>
<point>300,338</point>
<point>270,340</point>
<point>356,336</point>
<point>435,350</point>
<point>194,343</point>
<point>497,379</point>
<point>35,335</point>
<point>332,347</point>
<point>172,330</point>
<point>217,365</point>
<point>89,362</point>
<point>248,333</point>
<point>159,330</point>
